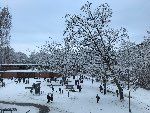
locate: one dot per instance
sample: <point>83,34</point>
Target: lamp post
<point>129,103</point>
<point>128,79</point>
<point>129,90</point>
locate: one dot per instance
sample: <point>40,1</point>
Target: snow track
<point>42,108</point>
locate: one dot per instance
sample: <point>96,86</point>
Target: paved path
<point>42,108</point>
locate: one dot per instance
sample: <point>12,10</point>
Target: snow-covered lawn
<point>78,102</point>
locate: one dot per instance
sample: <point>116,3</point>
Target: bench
<point>8,109</point>
<point>53,85</point>
<point>28,87</point>
<point>69,87</point>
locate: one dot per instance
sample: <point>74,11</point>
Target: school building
<point>26,71</point>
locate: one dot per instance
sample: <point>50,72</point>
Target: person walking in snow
<point>97,98</point>
<point>52,88</point>
<point>68,93</point>
<point>117,92</point>
<point>92,80</point>
<point>48,98</point>
<point>80,88</point>
<point>51,97</point>
<point>60,90</point>
<point>100,88</point>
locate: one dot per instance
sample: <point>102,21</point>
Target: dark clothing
<point>97,98</point>
<point>100,88</point>
<point>92,81</point>
<point>51,97</point>
<point>117,93</point>
<point>48,98</point>
<point>52,88</point>
<point>60,90</point>
<point>80,88</point>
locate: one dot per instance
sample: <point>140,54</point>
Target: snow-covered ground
<point>18,109</point>
<point>77,102</point>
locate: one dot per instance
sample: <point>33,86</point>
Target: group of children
<point>50,98</point>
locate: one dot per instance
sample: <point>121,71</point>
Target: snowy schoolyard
<point>77,102</point>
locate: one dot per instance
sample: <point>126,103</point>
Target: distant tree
<point>5,26</point>
<point>12,57</point>
<point>51,55</point>
<point>126,60</point>
<point>134,62</point>
<point>143,66</point>
<point>21,58</point>
<point>34,57</point>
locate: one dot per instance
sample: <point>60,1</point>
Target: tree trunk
<point>119,88</point>
<point>104,84</point>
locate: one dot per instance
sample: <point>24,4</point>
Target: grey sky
<point>35,20</point>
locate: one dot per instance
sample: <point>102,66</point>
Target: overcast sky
<point>36,20</point>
